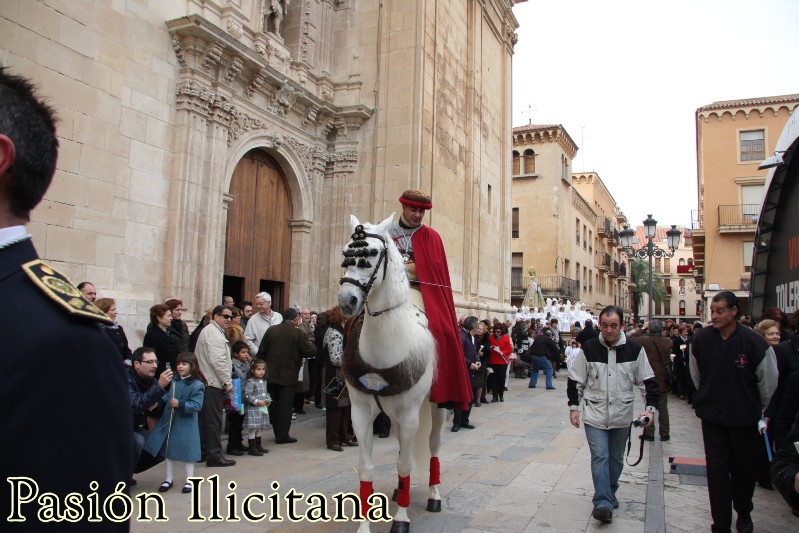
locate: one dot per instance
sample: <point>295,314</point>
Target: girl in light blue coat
<point>177,434</point>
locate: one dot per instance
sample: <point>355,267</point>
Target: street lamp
<point>651,249</point>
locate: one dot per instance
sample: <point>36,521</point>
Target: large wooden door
<point>258,244</point>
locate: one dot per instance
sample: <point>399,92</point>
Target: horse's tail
<point>421,444</point>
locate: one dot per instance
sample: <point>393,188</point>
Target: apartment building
<point>733,138</point>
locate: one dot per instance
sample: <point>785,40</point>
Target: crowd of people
<point>741,378</point>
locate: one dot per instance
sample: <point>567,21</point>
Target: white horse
<point>389,362</point>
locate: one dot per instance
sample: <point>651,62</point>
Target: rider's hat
<point>416,198</point>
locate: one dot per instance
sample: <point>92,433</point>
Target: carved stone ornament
<point>234,28</point>
<point>256,83</point>
<point>314,159</point>
<point>180,54</point>
<point>213,55</point>
<point>283,100</point>
<point>234,69</point>
<point>218,108</point>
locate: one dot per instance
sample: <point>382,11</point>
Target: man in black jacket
<point>284,347</point>
<point>588,332</point>
<point>735,374</point>
<point>543,349</point>
<point>785,469</point>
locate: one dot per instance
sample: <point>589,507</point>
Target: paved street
<point>523,469</point>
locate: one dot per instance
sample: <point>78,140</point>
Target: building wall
<point>722,173</point>
<point>680,279</point>
<point>610,286</point>
<point>544,200</point>
<point>356,100</point>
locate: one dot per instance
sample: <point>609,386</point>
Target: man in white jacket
<point>213,355</point>
<point>602,382</point>
<point>258,323</point>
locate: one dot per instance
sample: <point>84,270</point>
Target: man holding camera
<point>602,382</point>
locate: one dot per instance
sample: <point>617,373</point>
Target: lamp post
<point>651,249</point>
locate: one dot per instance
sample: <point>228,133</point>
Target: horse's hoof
<point>400,527</point>
<point>394,497</point>
<point>434,506</point>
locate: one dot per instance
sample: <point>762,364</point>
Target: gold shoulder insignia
<point>58,288</point>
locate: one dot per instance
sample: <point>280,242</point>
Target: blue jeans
<point>607,461</point>
<point>539,362</point>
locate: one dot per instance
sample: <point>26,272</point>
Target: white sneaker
<point>293,416</point>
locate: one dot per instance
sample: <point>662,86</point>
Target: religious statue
<point>533,296</point>
<point>274,11</point>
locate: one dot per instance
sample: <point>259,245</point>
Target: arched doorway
<point>258,240</point>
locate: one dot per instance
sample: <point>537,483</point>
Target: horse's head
<point>366,260</point>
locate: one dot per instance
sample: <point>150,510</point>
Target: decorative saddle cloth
<point>370,379</point>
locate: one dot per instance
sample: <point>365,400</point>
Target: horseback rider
<point>426,266</point>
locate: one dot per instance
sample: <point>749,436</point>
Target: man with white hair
<point>258,323</point>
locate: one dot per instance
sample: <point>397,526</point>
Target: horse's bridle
<point>357,248</point>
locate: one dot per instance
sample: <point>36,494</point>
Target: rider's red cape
<point>451,383</point>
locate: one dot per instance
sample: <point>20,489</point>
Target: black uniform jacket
<point>65,420</point>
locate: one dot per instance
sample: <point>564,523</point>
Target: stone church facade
<point>211,145</point>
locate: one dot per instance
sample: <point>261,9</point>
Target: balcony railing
<point>602,262</point>
<point>603,228</point>
<point>615,270</point>
<point>685,270</point>
<point>738,217</point>
<point>551,286</point>
<point>696,219</point>
<point>613,236</point>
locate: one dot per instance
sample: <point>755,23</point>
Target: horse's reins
<point>359,241</point>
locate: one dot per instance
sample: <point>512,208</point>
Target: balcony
<point>551,287</point>
<point>602,262</point>
<point>613,236</point>
<point>696,219</point>
<point>614,272</point>
<point>738,218</point>
<point>685,270</point>
<point>623,270</point>
<point>603,227</point>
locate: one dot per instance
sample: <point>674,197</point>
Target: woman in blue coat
<point>177,434</point>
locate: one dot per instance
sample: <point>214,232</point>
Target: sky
<point>625,78</point>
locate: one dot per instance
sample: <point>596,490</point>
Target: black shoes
<point>614,501</point>
<point>744,524</point>
<point>550,388</point>
<point>467,426</point>
<point>384,435</point>
<point>603,514</point>
<point>287,440</point>
<point>235,451</point>
<point>220,462</point>
<point>456,428</point>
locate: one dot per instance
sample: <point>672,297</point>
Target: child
<point>257,399</point>
<point>241,367</point>
<point>177,434</point>
<point>571,353</point>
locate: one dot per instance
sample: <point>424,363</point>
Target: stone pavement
<point>687,506</point>
<point>523,469</point>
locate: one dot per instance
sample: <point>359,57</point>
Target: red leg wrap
<point>366,491</point>
<point>404,491</point>
<point>435,471</point>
